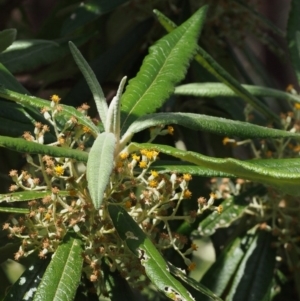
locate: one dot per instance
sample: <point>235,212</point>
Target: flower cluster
<point>62,203</point>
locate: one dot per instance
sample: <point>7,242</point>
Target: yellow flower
<point>153,183</point>
<point>154,173</point>
<point>220,209</point>
<point>289,88</point>
<point>55,98</point>
<point>192,266</point>
<point>59,170</point>
<point>135,157</point>
<point>86,129</point>
<point>143,164</point>
<point>119,164</point>
<point>187,194</point>
<point>297,106</point>
<point>187,177</point>
<point>194,247</point>
<point>170,130</point>
<point>128,204</point>
<point>123,155</point>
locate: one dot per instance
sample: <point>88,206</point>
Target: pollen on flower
<point>220,209</point>
<point>187,177</point>
<point>154,173</point>
<point>86,129</point>
<point>59,170</point>
<point>289,88</point>
<point>170,130</point>
<point>226,140</point>
<point>192,266</point>
<point>128,204</point>
<point>194,247</point>
<point>55,98</point>
<point>187,194</point>
<point>143,164</point>
<point>213,195</point>
<point>135,157</point>
<point>153,183</point>
<point>61,140</point>
<point>297,106</point>
<point>123,155</point>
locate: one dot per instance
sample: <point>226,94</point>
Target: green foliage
<point>62,276</point>
<point>108,207</point>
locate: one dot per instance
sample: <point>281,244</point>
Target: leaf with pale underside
<point>99,166</point>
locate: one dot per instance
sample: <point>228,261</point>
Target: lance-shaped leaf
<point>280,173</point>
<point>165,66</point>
<point>27,195</point>
<point>113,120</point>
<point>293,27</point>
<point>204,59</point>
<point>32,101</point>
<point>99,166</point>
<point>253,278</point>
<point>223,269</point>
<point>217,125</point>
<point>219,89</point>
<point>7,37</point>
<point>163,166</point>
<point>14,210</point>
<point>24,146</point>
<point>62,276</point>
<point>155,266</point>
<point>193,283</point>
<point>92,82</point>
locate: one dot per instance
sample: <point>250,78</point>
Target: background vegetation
<point>245,46</point>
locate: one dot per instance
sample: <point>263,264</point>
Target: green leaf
<point>14,210</point>
<point>113,120</point>
<point>23,146</point>
<point>27,284</point>
<point>155,266</point>
<point>107,62</point>
<point>7,37</point>
<point>193,283</point>
<point>163,166</point>
<point>99,166</point>
<point>26,55</point>
<point>233,209</point>
<point>293,27</point>
<point>9,81</point>
<point>92,81</point>
<point>217,125</point>
<point>32,101</point>
<point>231,212</point>
<point>219,275</point>
<point>204,59</point>
<point>165,66</point>
<point>253,278</point>
<point>27,195</point>
<point>283,174</point>
<point>63,274</point>
<point>219,89</point>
